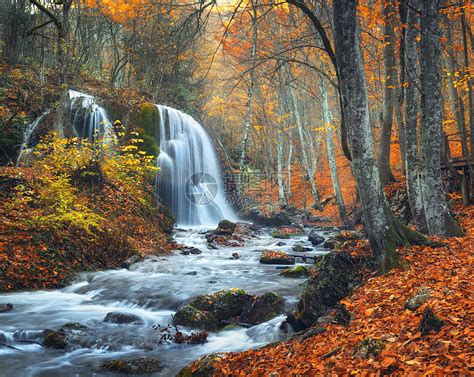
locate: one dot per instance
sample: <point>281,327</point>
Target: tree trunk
<point>384,231</point>
<point>438,218</point>
<point>411,123</point>
<point>389,92</point>
<point>250,93</point>
<point>328,123</point>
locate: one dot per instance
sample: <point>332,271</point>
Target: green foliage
<point>146,122</point>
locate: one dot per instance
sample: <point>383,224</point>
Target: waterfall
<point>88,119</point>
<point>190,182</point>
<point>27,136</point>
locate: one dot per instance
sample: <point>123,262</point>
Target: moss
<point>133,366</point>
<point>296,272</point>
<point>279,235</point>
<point>146,121</point>
<point>264,308</point>
<point>55,339</point>
<point>202,367</point>
<point>74,326</point>
<point>190,316</point>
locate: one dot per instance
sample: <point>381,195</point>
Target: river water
<point>153,289</point>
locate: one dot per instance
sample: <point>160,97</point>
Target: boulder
<point>189,316</point>
<point>73,326</point>
<point>280,243</point>
<point>299,248</point>
<point>264,308</point>
<point>315,238</point>
<point>132,260</point>
<point>190,250</point>
<point>296,272</point>
<point>223,304</point>
<point>276,257</point>
<point>5,308</point>
<point>202,367</point>
<point>430,322</point>
<point>225,227</point>
<point>141,365</point>
<point>123,318</point>
<point>418,299</point>
<point>337,274</point>
<point>55,339</point>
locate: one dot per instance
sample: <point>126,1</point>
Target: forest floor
<point>384,336</point>
<point>45,256</point>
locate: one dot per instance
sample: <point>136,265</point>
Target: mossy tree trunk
<point>385,232</point>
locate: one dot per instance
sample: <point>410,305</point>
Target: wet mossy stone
<point>190,316</point>
<point>203,367</point>
<point>276,257</point>
<point>146,121</point>
<point>280,235</point>
<point>133,366</point>
<point>296,272</point>
<point>74,326</point>
<point>264,308</point>
<point>223,304</point>
<point>337,275</point>
<point>123,318</point>
<point>225,227</point>
<point>55,339</point>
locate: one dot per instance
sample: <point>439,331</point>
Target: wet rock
<point>192,273</point>
<point>332,244</point>
<point>225,227</point>
<point>73,326</point>
<point>189,316</point>
<point>123,318</point>
<point>305,334</point>
<point>418,299</point>
<point>264,308</point>
<point>315,238</point>
<point>337,274</point>
<point>55,339</point>
<point>430,322</point>
<point>132,260</point>
<point>276,257</point>
<point>280,243</point>
<point>190,250</point>
<point>327,319</point>
<point>296,272</point>
<point>368,348</point>
<point>235,256</point>
<point>299,248</point>
<point>5,308</point>
<point>133,366</point>
<point>223,304</point>
<point>286,232</point>
<point>202,367</point>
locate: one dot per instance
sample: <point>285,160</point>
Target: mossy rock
<point>276,257</point>
<point>369,348</point>
<point>223,304</point>
<point>74,326</point>
<point>295,273</point>
<point>146,121</point>
<point>190,316</point>
<point>225,227</point>
<point>133,366</point>
<point>279,235</point>
<point>55,339</point>
<point>202,367</point>
<point>264,308</point>
<point>338,274</point>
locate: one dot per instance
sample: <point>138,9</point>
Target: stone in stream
<point>299,248</point>
<point>315,238</point>
<point>141,365</point>
<point>231,306</point>
<point>264,308</point>
<point>296,272</point>
<point>132,260</point>
<point>276,257</point>
<point>123,318</point>
<point>190,250</point>
<point>55,339</point>
<point>5,308</point>
<point>202,367</point>
<point>225,227</point>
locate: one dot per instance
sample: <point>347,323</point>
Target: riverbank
<point>392,330</point>
<point>42,248</point>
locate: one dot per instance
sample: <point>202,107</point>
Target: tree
<point>383,229</point>
<point>62,26</point>
<point>411,121</point>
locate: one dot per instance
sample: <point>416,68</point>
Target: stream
<point>152,289</point>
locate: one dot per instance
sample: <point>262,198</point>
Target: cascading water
<point>88,119</point>
<point>27,136</point>
<point>190,182</point>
